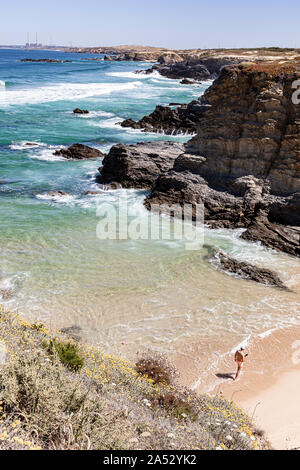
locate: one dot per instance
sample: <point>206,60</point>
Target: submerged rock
<point>193,67</point>
<point>79,152</point>
<point>80,111</point>
<point>244,270</point>
<point>186,81</point>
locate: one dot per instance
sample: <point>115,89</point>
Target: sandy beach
<point>268,387</point>
<point>277,411</point>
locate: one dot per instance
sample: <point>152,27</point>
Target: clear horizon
<point>171,24</point>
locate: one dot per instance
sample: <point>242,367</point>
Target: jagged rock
<point>138,165</point>
<point>80,111</point>
<point>250,129</point>
<point>244,270</point>
<point>79,152</point>
<point>277,236</point>
<point>169,58</point>
<point>56,193</point>
<point>181,120</point>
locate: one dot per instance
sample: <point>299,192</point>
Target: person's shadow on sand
<point>225,376</point>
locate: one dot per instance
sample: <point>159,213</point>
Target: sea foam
<point>65,91</point>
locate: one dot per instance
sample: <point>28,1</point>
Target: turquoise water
<point>123,294</point>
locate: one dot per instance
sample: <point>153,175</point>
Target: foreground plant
<point>107,402</point>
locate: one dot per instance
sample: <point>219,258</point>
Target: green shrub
<point>68,353</point>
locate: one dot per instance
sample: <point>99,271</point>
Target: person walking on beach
<point>239,358</point>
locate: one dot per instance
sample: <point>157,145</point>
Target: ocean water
<point>126,294</point>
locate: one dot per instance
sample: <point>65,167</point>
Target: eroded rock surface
<point>138,165</point>
<point>79,152</point>
<point>195,67</point>
<point>245,270</point>
<point>181,120</point>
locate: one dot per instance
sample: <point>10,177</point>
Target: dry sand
<point>268,388</point>
<point>277,411</point>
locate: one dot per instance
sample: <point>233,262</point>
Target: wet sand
<point>268,388</point>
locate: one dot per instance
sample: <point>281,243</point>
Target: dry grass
<point>106,404</point>
<point>156,367</point>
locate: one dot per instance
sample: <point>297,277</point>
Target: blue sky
<point>166,23</point>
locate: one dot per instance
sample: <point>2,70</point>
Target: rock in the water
<point>251,128</point>
<point>186,81</point>
<point>79,152</point>
<point>244,270</point>
<point>138,165</point>
<point>92,193</point>
<point>243,164</point>
<point>49,61</point>
<point>170,121</point>
<point>80,111</point>
<point>277,236</point>
<point>194,67</point>
<point>56,193</point>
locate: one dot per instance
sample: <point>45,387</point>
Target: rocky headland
<point>193,67</point>
<point>243,164</point>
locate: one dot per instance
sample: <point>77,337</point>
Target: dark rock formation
<point>80,111</point>
<point>277,236</point>
<point>138,166</point>
<point>170,121</point>
<point>251,128</point>
<point>54,61</point>
<point>194,67</point>
<point>186,81</point>
<point>104,187</point>
<point>222,261</point>
<point>79,152</point>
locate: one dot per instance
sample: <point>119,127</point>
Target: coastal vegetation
<point>56,393</point>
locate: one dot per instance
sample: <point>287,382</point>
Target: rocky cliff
<point>192,66</point>
<point>244,162</point>
<point>251,127</point>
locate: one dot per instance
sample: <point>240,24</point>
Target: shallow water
<point>124,294</point>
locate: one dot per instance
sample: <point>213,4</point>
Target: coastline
<point>268,388</point>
